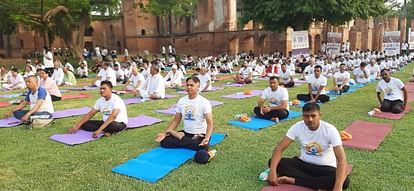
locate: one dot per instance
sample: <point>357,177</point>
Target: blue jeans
<point>20,113</point>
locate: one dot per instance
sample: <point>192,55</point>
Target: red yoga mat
<point>4,104</point>
<point>77,96</point>
<point>290,187</point>
<point>389,115</point>
<point>366,135</point>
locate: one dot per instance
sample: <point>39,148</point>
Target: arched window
<point>143,32</point>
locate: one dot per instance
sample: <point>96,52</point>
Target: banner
<point>411,39</point>
<point>333,42</point>
<point>391,43</point>
<point>300,44</point>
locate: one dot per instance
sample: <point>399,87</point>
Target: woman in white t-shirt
<point>196,114</point>
<point>322,164</point>
<point>341,80</point>
<point>114,114</point>
<point>316,87</point>
<point>395,94</point>
<point>278,97</point>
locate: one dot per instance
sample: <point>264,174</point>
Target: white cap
<point>174,66</point>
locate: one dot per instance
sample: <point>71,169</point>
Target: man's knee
<point>170,142</point>
<point>396,109</point>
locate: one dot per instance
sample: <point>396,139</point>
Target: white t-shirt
<point>58,76</point>
<point>46,62</point>
<point>373,70</point>
<point>192,112</point>
<point>154,84</point>
<point>174,77</point>
<point>108,73</point>
<point>245,72</point>
<point>341,77</point>
<point>18,80</point>
<point>42,94</point>
<point>135,79</point>
<point>106,108</point>
<point>392,89</point>
<point>285,76</point>
<point>309,69</point>
<point>316,83</point>
<point>275,98</point>
<point>316,146</point>
<point>203,81</point>
<point>360,77</point>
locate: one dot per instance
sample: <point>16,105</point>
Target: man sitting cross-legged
<point>278,97</point>
<point>286,77</point>
<point>316,87</point>
<point>322,163</point>
<point>134,82</point>
<point>37,98</point>
<point>196,113</point>
<point>341,80</point>
<point>154,85</point>
<point>114,114</point>
<point>395,94</point>
<point>245,75</point>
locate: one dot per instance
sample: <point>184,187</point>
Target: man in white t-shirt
<point>205,80</point>
<point>195,111</point>
<point>135,82</point>
<point>48,60</point>
<point>286,77</point>
<point>245,75</point>
<point>82,70</point>
<point>37,98</point>
<point>316,87</point>
<point>114,114</point>
<point>154,85</point>
<point>362,74</point>
<point>259,70</point>
<point>106,73</point>
<point>341,80</point>
<point>374,70</point>
<point>173,77</point>
<point>278,97</point>
<point>322,163</point>
<point>395,94</point>
<point>15,81</point>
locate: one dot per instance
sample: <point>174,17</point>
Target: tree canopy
<point>277,15</point>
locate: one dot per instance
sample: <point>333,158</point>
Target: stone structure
<point>211,30</point>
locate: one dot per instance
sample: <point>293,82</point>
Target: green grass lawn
<point>30,161</point>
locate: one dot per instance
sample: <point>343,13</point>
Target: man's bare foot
<point>178,135</point>
<point>286,180</point>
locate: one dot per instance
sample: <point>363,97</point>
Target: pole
<point>42,12</point>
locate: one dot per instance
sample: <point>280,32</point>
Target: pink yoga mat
<point>366,135</point>
<point>241,95</point>
<point>389,115</point>
<point>82,136</point>
<point>4,104</point>
<point>77,96</point>
<point>290,187</point>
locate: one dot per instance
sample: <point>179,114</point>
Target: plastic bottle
<point>263,175</point>
<point>371,113</point>
<point>212,154</point>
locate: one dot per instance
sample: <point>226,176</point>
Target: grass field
<point>30,161</point>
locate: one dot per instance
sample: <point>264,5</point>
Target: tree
<point>7,27</point>
<point>61,18</point>
<point>277,15</point>
<point>167,8</point>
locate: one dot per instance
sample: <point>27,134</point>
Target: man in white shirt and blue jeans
<point>322,163</point>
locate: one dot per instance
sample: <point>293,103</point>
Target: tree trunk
<point>80,42</point>
<point>8,46</point>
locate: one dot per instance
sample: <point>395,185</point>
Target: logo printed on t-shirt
<point>189,112</point>
<point>313,148</point>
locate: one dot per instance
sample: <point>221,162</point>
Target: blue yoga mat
<point>158,162</point>
<point>256,123</point>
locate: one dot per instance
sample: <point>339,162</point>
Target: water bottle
<point>212,154</point>
<point>371,113</point>
<point>263,175</point>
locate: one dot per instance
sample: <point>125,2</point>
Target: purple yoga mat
<point>241,95</point>
<point>297,81</point>
<point>171,110</point>
<point>214,88</point>
<point>366,135</point>
<point>234,85</point>
<point>141,121</point>
<point>71,112</point>
<point>11,95</point>
<point>82,136</point>
<point>9,122</point>
<point>79,137</point>
<point>133,101</point>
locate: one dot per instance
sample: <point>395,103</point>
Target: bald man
<point>134,82</point>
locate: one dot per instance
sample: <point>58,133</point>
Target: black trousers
<point>306,97</point>
<point>392,106</point>
<point>93,125</point>
<point>345,88</point>
<point>290,84</point>
<point>189,141</point>
<point>309,175</point>
<point>281,114</point>
<point>55,98</point>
